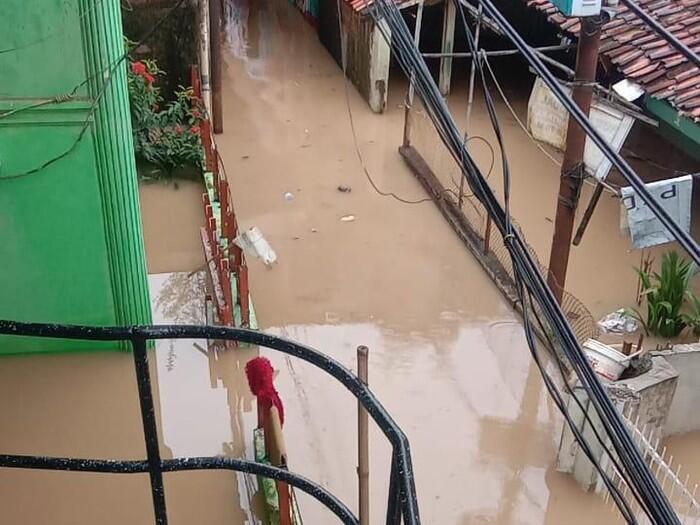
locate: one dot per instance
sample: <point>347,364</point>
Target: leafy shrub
<point>666,294</point>
<point>166,135</point>
<point>692,318</point>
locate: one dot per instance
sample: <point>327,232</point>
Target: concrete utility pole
<point>572,171</point>
<point>217,111</point>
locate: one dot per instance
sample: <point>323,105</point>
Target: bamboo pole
<point>363,440</point>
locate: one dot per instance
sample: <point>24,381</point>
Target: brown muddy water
<point>447,355</point>
<point>172,215</point>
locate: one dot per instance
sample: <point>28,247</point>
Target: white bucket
<point>607,362</point>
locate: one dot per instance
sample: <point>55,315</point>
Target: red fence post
<point>243,292</point>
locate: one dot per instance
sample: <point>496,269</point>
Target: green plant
<point>692,318</point>
<point>165,135</point>
<point>666,294</point>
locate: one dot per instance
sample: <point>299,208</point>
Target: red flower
<point>179,129</point>
<point>139,68</point>
<point>194,130</point>
<point>196,114</point>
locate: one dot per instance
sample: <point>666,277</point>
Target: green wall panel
<point>71,243</point>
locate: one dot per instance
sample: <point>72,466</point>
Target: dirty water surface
<point>172,215</point>
<point>447,354</point>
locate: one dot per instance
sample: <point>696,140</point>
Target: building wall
<point>649,396</point>
<point>368,54</point>
<point>684,414</point>
<point>72,245</point>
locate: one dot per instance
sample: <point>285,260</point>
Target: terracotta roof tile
<point>641,55</point>
<point>638,65</point>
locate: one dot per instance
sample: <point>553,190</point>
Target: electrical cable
<point>684,239</point>
<point>108,74</point>
<point>515,115</point>
<point>608,187</point>
<point>360,158</point>
<point>663,32</point>
<point>496,126</point>
<point>642,483</point>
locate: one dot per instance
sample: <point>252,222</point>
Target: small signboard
<point>674,195</point>
<point>547,120</point>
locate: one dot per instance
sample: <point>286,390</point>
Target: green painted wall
<point>71,243</point>
<point>682,131</point>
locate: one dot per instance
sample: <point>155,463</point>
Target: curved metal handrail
<point>402,491</point>
<point>115,466</point>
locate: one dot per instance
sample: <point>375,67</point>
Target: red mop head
<point>260,373</point>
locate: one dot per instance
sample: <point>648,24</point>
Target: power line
<point>611,189</point>
<point>621,164</point>
<point>360,158</point>
<point>641,482</point>
<point>617,497</point>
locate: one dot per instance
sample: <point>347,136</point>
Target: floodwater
<point>447,355</point>
<point>172,215</point>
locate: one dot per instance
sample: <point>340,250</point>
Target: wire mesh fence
<point>484,240</point>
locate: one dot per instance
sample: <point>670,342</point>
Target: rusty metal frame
<point>402,502</point>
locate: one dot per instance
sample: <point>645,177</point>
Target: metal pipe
<point>215,66</point>
<point>470,100</point>
<point>410,93</point>
<point>588,213</point>
<point>363,439</point>
<point>150,429</point>
<point>204,60</point>
<point>572,168</point>
<point>500,52</point>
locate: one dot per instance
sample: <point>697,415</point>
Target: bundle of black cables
<point>534,292</point>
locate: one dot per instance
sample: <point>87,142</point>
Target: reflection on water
<point>206,407</point>
<point>482,432</point>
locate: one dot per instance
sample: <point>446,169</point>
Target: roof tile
<point>641,55</point>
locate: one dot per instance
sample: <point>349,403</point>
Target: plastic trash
<point>253,243</point>
<point>289,196</point>
<point>347,218</point>
<point>618,322</point>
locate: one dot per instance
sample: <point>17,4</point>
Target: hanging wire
<point>108,74</point>
<point>622,504</point>
<point>360,158</point>
<point>642,483</point>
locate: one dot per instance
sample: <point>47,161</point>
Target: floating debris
<point>344,189</point>
<point>347,218</point>
<point>252,242</point>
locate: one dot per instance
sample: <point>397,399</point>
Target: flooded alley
<point>447,353</point>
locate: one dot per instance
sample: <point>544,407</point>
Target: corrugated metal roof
<point>643,56</point>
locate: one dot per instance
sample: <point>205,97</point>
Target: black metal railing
<point>402,491</point>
